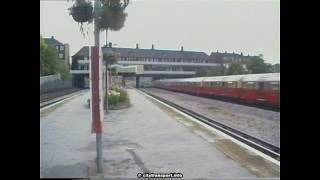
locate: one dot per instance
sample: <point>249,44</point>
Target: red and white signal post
<point>96,87</point>
<point>96,102</point>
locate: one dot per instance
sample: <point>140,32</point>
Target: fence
<point>45,79</point>
<point>54,83</point>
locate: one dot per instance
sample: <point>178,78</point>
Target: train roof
<point>224,78</point>
<point>262,77</point>
<point>246,77</point>
<point>197,79</point>
<point>242,77</point>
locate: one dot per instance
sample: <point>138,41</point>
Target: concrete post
<point>137,82</point>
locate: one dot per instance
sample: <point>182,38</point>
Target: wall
<point>55,84</point>
<point>44,79</point>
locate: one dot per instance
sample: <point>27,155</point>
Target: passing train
<point>250,88</point>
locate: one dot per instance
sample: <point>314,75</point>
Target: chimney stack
<point>137,46</point>
<point>181,48</point>
<point>52,37</point>
<point>152,47</point>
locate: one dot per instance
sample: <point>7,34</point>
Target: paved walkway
<point>147,137</point>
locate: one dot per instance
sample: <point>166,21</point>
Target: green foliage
<point>113,71</point>
<point>235,69</point>
<point>117,96</point>
<point>43,44</point>
<point>113,98</point>
<point>113,16</point>
<point>64,71</point>
<point>257,65</point>
<point>115,88</point>
<point>82,11</point>
<point>111,58</point>
<point>49,61</point>
<point>123,96</point>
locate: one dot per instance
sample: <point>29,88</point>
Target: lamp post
<point>96,87</point>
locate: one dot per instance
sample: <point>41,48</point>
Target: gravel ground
<point>261,123</point>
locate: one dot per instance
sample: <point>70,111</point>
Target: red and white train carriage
<point>253,88</point>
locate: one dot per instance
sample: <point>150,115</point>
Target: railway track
<point>254,142</point>
<point>51,98</point>
<point>52,95</point>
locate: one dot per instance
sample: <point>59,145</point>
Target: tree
<point>49,61</point>
<point>235,69</point>
<point>257,65</point>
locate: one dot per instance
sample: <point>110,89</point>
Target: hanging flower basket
<point>113,15</point>
<point>82,11</point>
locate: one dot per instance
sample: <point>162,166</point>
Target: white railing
<point>171,72</point>
<point>83,61</point>
<point>79,71</point>
<point>167,63</point>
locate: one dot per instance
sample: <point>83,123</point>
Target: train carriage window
<point>249,85</point>
<point>273,86</point>
<point>206,84</point>
<point>231,84</point>
<point>216,84</point>
<point>261,86</point>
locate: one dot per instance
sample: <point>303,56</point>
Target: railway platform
<point>146,137</point>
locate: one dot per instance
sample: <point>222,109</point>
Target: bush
<point>115,88</point>
<point>123,96</point>
<point>113,98</point>
<point>117,97</point>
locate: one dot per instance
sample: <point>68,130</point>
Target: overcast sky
<point>251,27</point>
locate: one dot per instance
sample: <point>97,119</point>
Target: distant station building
<point>63,49</point>
<point>155,63</point>
<point>226,59</point>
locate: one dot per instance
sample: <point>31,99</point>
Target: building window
<point>61,48</point>
<point>60,55</point>
<point>57,47</point>
<point>85,58</point>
